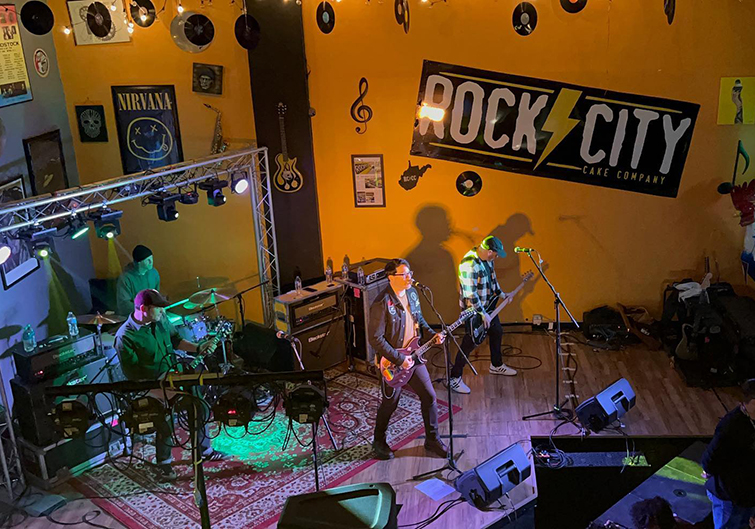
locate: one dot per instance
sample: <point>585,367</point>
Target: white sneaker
<point>502,369</point>
<point>458,386</point>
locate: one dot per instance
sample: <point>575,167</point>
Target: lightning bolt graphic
<point>559,122</point>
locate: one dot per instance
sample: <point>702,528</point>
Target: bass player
<point>395,319</point>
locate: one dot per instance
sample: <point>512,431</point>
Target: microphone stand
<point>451,460</point>
<point>559,411</point>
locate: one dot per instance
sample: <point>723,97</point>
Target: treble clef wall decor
<point>360,112</point>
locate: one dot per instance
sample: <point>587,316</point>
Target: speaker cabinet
<point>358,299</point>
<point>323,346</point>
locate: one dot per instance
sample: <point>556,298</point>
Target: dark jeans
<point>423,386</point>
<point>164,436</point>
<point>726,515</point>
<point>495,338</point>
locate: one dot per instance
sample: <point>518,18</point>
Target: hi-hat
<point>209,297</point>
<point>99,319</point>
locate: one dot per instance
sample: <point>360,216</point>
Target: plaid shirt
<point>478,286</point>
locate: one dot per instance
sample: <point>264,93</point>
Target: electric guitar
<point>287,177</point>
<point>396,376</point>
<point>222,333</point>
<point>476,325</point>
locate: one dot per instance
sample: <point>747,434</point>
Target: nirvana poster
<point>147,121</point>
<point>553,130</point>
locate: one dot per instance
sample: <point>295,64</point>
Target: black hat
<point>140,253</point>
<point>151,298</point>
<point>494,243</point>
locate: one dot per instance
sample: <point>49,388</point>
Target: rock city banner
<point>147,123</point>
<point>552,129</point>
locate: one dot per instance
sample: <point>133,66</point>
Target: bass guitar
<point>476,325</point>
<point>287,177</point>
<point>396,376</point>
<point>223,332</point>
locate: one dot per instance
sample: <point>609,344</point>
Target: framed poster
<point>14,77</point>
<point>21,262</point>
<point>47,167</point>
<point>92,22</point>
<point>146,118</point>
<point>91,122</point>
<point>207,78</point>
<point>736,101</point>
<point>369,182</point>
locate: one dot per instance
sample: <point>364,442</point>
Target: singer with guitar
<point>395,320</point>
<point>145,344</point>
<point>479,289</point>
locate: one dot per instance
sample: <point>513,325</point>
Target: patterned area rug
<point>250,490</point>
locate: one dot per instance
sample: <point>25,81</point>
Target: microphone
<point>520,249</point>
<point>285,336</point>
<point>419,285</point>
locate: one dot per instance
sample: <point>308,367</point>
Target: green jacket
<point>146,351</point>
<point>130,283</point>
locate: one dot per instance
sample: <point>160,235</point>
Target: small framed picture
<point>369,181</point>
<point>91,121</point>
<point>47,167</point>
<point>207,79</point>
<point>21,262</point>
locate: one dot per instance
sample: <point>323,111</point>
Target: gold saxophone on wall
<point>218,145</point>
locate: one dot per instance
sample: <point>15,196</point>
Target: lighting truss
<point>36,211</point>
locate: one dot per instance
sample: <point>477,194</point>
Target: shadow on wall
<point>509,269</point>
<point>63,295</point>
<point>433,264</point>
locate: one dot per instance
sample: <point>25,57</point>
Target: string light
<point>66,30</point>
<point>143,17</point>
<point>113,6</point>
<point>180,8</point>
<point>130,29</point>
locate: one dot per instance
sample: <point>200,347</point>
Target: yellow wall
<point>601,245</point>
<point>214,243</point>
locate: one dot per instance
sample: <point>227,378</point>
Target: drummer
<point>137,276</point>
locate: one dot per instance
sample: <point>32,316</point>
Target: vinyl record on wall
<point>247,31</point>
<point>98,19</point>
<point>524,18</point>
<point>401,12</point>
<point>573,6</point>
<point>669,7</point>
<point>142,12</point>
<point>326,17</point>
<point>37,18</point>
<point>469,183</point>
<point>188,26</point>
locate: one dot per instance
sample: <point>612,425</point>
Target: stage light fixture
<point>5,252</point>
<point>71,418</point>
<point>236,407</point>
<point>38,240</point>
<point>107,224</point>
<point>607,406</point>
<point>166,206</point>
<point>492,479</point>
<point>189,197</point>
<point>214,188</point>
<point>77,228</point>
<point>239,183</point>
<point>143,414</point>
<point>305,404</point>
<point>42,250</point>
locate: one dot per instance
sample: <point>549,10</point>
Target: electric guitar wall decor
<point>396,376</point>
<point>476,327</point>
<point>287,177</point>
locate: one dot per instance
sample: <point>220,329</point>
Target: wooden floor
<point>491,418</point>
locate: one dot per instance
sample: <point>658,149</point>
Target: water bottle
<point>73,326</point>
<point>328,275</point>
<point>360,276</point>
<point>345,271</point>
<point>297,285</point>
<point>29,339</point>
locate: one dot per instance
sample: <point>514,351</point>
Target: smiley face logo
<point>149,139</point>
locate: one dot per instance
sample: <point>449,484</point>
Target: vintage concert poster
<point>14,77</point>
<point>554,130</point>
<point>369,183</point>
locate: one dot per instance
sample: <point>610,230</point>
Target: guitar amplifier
<point>54,356</point>
<point>323,346</point>
<point>316,304</point>
<point>374,270</point>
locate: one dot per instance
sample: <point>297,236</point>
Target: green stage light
<point>107,224</point>
<point>42,250</point>
<point>79,232</point>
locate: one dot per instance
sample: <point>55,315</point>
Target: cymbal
<point>99,319</point>
<point>209,297</point>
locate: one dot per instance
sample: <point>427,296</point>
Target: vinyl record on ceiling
<point>247,31</point>
<point>326,17</point>
<point>142,12</point>
<point>469,183</point>
<point>524,18</point>
<point>199,30</point>
<point>98,19</point>
<point>37,18</point>
<point>573,6</point>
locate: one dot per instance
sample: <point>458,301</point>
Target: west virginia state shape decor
<point>410,178</point>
